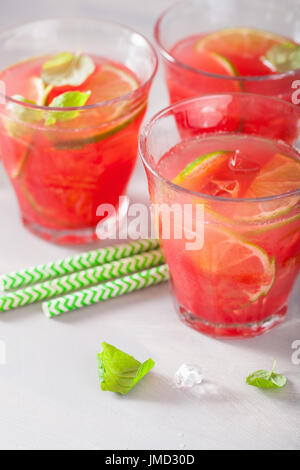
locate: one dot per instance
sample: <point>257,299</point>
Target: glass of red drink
<point>211,46</point>
<point>76,94</point>
<point>224,180</point>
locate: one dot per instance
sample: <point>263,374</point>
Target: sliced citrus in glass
<point>244,47</point>
<point>108,83</point>
<point>283,57</point>
<point>212,62</point>
<point>240,272</point>
<point>197,173</point>
<point>279,176</point>
<point>239,42</point>
<point>210,174</point>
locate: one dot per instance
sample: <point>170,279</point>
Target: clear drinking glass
<point>62,172</point>
<point>200,17</point>
<point>237,279</point>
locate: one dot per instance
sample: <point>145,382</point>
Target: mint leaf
<point>60,61</point>
<point>70,99</point>
<point>266,379</point>
<point>119,372</point>
<point>284,57</point>
<point>67,69</point>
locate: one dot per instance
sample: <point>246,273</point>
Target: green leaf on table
<point>119,372</point>
<point>284,57</point>
<point>67,69</point>
<point>70,99</point>
<point>266,379</point>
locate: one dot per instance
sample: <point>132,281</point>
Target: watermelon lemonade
<point>69,129</point>
<point>203,53</point>
<point>247,179</point>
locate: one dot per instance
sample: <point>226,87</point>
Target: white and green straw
<point>106,291</point>
<point>80,280</point>
<point>72,264</point>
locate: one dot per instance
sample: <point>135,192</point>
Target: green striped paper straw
<point>72,264</point>
<point>106,291</point>
<point>76,281</point>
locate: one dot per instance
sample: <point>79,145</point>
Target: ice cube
<point>187,376</point>
<point>241,162</point>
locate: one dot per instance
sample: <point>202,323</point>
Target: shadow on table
<point>156,388</point>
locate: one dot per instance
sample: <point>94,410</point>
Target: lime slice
<point>266,227</point>
<point>216,64</point>
<point>226,64</point>
<point>94,137</point>
<point>281,175</point>
<point>240,272</point>
<point>283,57</point>
<point>241,42</point>
<point>213,62</point>
<point>196,173</point>
<point>107,83</point>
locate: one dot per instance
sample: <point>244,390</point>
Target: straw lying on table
<point>106,291</point>
<point>148,261</point>
<point>76,281</point>
<point>72,264</point>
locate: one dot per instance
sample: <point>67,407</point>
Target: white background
<point>49,389</point>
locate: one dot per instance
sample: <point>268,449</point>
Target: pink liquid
<point>212,290</point>
<point>211,77</point>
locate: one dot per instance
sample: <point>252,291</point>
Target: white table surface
<point>49,389</point>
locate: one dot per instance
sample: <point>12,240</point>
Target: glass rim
<point>146,132</point>
<point>170,58</point>
<point>127,96</point>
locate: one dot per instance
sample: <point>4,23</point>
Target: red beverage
<point>69,130</point>
<point>207,48</point>
<point>229,53</point>
<point>62,174</point>
<point>224,177</point>
<point>247,267</point>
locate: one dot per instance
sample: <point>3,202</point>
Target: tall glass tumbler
<point>190,74</point>
<point>65,163</point>
<point>233,261</point>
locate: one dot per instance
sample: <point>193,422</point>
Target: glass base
<point>62,237</point>
<point>232,331</point>
<point>80,236</point>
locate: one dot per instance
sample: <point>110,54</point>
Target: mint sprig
<point>119,372</point>
<point>283,57</point>
<point>267,379</point>
<point>59,62</point>
<point>67,69</point>
<point>70,99</point>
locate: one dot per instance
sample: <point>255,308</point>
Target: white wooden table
<point>49,389</point>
